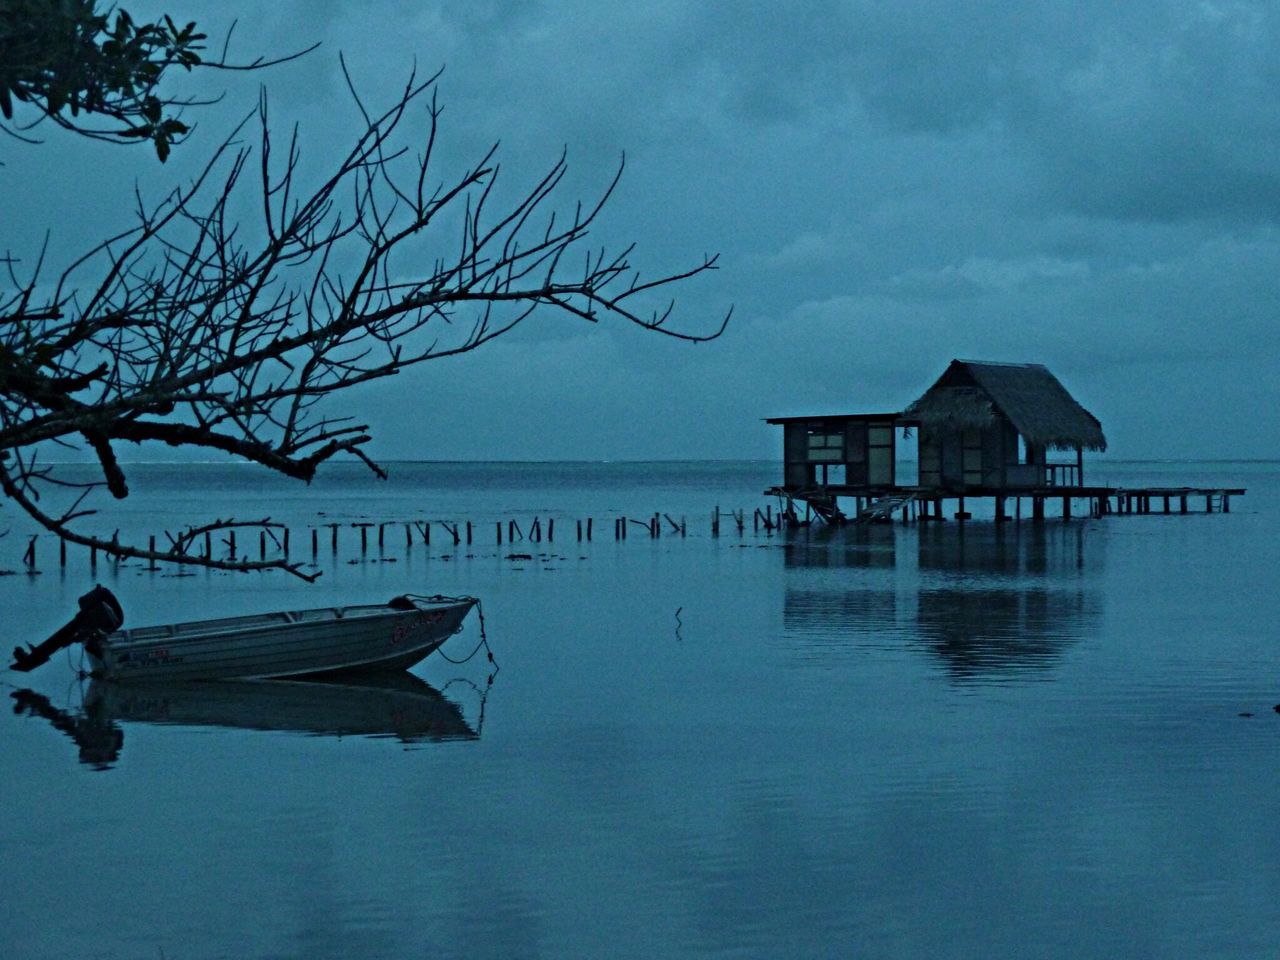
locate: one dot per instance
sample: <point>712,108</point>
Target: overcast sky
<point>1090,185</point>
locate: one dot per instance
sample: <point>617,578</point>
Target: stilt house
<point>992,425</point>
<point>983,427</point>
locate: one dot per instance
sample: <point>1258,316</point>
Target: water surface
<point>951,740</point>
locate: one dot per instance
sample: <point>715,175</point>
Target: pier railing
<point>1062,475</point>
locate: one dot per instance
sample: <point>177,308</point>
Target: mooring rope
<point>482,645</point>
<point>484,639</point>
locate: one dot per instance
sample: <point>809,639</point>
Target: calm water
<point>886,742</point>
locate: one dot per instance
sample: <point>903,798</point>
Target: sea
<point>943,740</point>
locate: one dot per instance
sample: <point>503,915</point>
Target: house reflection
<point>988,602</point>
<point>395,705</point>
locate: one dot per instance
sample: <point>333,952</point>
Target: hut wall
<point>881,454</point>
<point>796,472</point>
<point>999,453</point>
<point>855,453</point>
<point>951,453</point>
<point>930,453</point>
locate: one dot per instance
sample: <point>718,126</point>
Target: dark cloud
<point>1090,185</point>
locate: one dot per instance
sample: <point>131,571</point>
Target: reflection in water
<point>989,602</point>
<point>979,634</point>
<point>373,705</point>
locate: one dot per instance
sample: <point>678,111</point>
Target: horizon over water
<point>944,740</point>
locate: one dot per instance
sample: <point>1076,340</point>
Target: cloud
<point>1091,185</point>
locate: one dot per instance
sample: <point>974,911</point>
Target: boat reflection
<point>398,705</point>
<point>988,603</point>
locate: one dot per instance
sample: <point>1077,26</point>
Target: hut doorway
<point>907,461</point>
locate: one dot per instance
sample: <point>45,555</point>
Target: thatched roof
<point>970,393</point>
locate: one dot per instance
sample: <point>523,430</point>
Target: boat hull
<point>378,637</point>
<point>366,704</point>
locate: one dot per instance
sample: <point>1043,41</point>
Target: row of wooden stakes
<point>275,540</point>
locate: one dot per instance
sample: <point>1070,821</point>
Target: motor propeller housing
<point>100,613</point>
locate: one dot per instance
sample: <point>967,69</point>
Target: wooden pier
<point>919,504</point>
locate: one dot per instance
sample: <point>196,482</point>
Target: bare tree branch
<point>195,329</point>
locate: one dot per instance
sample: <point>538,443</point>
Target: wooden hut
<point>846,450</point>
<point>991,426</point>
<point>982,426</point>
<point>985,430</point>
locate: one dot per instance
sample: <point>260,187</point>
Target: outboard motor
<point>100,614</point>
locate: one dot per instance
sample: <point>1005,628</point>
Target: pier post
<point>1037,508</point>
<point>588,529</point>
<point>1066,508</point>
<point>1000,515</point>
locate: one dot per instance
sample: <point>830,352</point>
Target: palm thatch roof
<point>972,394</point>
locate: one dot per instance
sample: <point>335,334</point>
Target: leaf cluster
<point>68,59</point>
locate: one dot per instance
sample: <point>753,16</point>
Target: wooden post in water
<point>151,547</point>
<point>499,526</point>
<point>588,529</point>
<point>1066,508</point>
<point>551,529</point>
<point>315,543</point>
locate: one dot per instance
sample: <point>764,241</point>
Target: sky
<point>1093,186</point>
